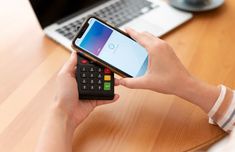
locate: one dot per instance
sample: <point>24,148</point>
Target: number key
<point>99,87</point>
<point>84,87</point>
<point>99,69</point>
<point>92,69</point>
<point>92,75</point>
<point>99,75</point>
<point>84,75</point>
<point>99,82</point>
<point>84,81</point>
<point>92,81</point>
<point>92,87</point>
<point>83,69</point>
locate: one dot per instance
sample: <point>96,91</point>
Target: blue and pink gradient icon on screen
<point>96,38</point>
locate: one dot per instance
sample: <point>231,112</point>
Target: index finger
<point>142,38</point>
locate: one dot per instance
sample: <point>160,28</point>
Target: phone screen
<point>114,48</point>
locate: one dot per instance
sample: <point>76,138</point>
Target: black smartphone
<point>111,47</point>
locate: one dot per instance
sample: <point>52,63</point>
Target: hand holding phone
<point>165,74</point>
<point>111,47</point>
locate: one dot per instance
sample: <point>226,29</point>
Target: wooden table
<point>141,121</point>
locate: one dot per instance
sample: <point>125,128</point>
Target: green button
<point>107,86</point>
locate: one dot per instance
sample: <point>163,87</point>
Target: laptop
<point>60,19</point>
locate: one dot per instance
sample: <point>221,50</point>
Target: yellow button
<point>107,77</point>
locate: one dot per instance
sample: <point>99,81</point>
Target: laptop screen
<point>50,11</point>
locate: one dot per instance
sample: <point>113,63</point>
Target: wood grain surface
<point>141,121</point>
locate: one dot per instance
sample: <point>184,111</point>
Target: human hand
<point>67,97</point>
<point>165,73</point>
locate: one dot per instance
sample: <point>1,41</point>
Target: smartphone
<point>111,47</point>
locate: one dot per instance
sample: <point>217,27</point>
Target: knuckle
<point>154,46</point>
<point>138,35</point>
<point>145,33</point>
<point>160,44</point>
<point>127,84</point>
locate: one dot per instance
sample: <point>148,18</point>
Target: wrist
<point>65,117</point>
<point>198,92</point>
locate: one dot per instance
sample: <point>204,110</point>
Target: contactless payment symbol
<point>111,46</point>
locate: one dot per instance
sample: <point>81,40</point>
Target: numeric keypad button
<point>99,70</point>
<point>92,81</point>
<point>83,69</point>
<point>92,87</point>
<point>92,69</point>
<point>99,76</point>
<point>84,75</point>
<point>84,87</point>
<point>84,81</point>
<point>92,75</point>
<point>99,87</point>
<point>99,81</point>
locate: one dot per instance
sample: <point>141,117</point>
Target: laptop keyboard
<point>117,13</point>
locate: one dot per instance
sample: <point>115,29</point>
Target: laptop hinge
<point>80,12</point>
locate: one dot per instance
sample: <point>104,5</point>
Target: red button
<point>84,61</point>
<point>107,71</point>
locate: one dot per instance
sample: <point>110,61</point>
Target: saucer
<point>205,6</point>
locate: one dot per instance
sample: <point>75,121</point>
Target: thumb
<point>72,62</point>
<point>133,83</point>
<point>69,66</point>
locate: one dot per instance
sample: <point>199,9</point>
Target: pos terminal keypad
<point>95,82</point>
